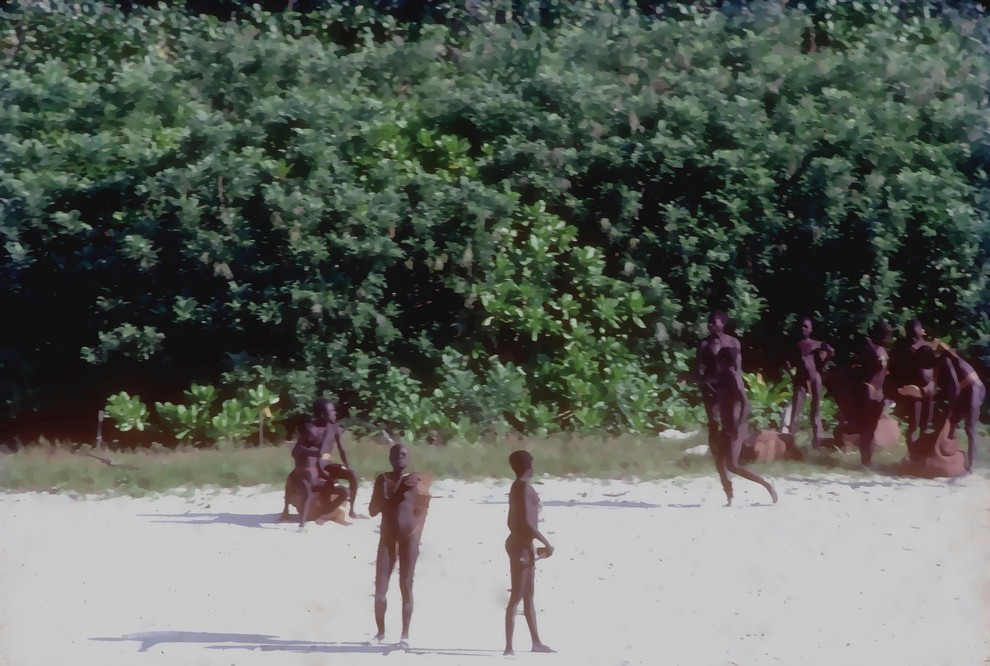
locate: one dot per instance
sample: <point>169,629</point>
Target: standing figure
<point>717,339</point>
<point>330,443</point>
<point>308,473</point>
<point>965,392</point>
<point>733,408</point>
<point>872,369</point>
<point>403,512</point>
<point>524,505</point>
<point>916,375</point>
<point>810,356</point>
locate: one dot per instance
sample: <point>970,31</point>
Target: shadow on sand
<point>267,643</point>
<point>601,504</point>
<point>264,521</point>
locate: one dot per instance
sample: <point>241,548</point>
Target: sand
<point>842,571</point>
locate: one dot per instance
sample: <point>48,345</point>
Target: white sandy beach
<point>842,571</point>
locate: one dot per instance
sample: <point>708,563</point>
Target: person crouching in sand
<point>523,518</point>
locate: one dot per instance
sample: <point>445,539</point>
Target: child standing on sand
<point>523,518</point>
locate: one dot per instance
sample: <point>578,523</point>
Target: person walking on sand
<point>401,500</point>
<point>733,407</point>
<point>705,360</point>
<point>524,506</point>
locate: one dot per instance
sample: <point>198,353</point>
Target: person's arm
<point>531,504</point>
<point>301,450</point>
<point>827,352</point>
<point>949,378</point>
<point>699,360</point>
<point>340,446</point>
<point>738,346</point>
<point>377,496</point>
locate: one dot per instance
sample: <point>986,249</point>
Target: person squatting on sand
<point>394,496</point>
<point>330,442</point>
<point>809,357</point>
<point>733,409</point>
<point>310,472</point>
<point>524,506</point>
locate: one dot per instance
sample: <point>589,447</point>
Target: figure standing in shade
<point>524,505</point>
<point>917,376</point>
<point>395,497</point>
<point>707,350</point>
<point>806,364</point>
<point>966,393</point>
<point>873,365</point>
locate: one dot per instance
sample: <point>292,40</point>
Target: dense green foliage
<point>450,226</point>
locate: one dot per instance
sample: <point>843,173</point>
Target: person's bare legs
<point>797,406</point>
<point>732,464</point>
<point>342,473</point>
<point>310,486</point>
<point>720,451</point>
<point>915,412</point>
<point>967,409</point>
<point>408,554</point>
<point>523,572</point>
<point>285,509</point>
<point>713,416</point>
<point>816,412</point>
<point>872,412</point>
<point>384,565</point>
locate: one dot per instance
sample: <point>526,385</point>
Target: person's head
<point>716,322</point>
<point>521,462</point>
<point>880,333</point>
<point>324,410</point>
<point>805,326</point>
<point>914,330</point>
<point>398,455</point>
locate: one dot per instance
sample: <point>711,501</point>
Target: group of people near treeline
<point>401,497</point>
<point>937,387</point>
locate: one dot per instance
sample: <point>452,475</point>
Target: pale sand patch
<point>842,571</point>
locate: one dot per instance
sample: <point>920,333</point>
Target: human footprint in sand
<point>733,409</point>
<point>524,506</point>
<point>403,512</point>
